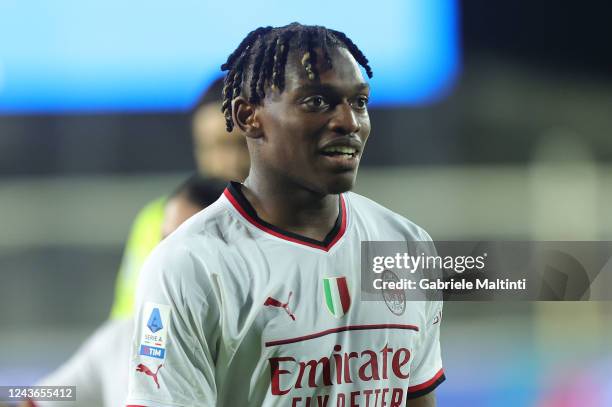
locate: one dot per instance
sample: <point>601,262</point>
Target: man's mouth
<point>340,151</point>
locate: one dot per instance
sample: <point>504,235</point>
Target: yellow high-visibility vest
<point>144,236</point>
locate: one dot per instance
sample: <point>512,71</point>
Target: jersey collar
<point>234,194</point>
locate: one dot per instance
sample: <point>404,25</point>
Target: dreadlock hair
<point>260,60</point>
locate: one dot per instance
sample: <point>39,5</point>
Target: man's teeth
<point>340,149</point>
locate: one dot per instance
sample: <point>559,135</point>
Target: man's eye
<point>361,102</point>
<point>315,102</point>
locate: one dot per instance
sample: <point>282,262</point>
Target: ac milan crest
<point>395,299</point>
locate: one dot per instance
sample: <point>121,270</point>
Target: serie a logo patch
<point>154,330</point>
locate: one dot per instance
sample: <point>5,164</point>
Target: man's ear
<point>245,117</point>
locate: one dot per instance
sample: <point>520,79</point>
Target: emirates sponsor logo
<point>364,368</point>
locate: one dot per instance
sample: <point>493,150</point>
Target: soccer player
<point>256,300</point>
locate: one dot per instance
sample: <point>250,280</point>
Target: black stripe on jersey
<point>235,189</point>
<point>427,388</point>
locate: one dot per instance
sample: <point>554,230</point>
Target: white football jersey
<point>99,369</point>
<point>233,311</point>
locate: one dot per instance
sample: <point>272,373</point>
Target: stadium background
<point>517,145</point>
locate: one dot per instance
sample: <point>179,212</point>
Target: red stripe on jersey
<point>345,297</point>
<point>283,236</point>
<point>427,383</point>
<point>341,329</point>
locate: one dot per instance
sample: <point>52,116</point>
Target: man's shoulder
<point>209,226</point>
<point>373,214</point>
<point>194,244</point>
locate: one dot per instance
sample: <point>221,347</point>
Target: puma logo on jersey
<point>144,369</point>
<point>273,302</point>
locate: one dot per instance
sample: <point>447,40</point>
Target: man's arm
<point>428,400</point>
<point>175,329</point>
<point>426,372</point>
<point>83,370</point>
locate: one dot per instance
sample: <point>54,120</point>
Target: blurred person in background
<point>99,369</point>
<point>217,155</point>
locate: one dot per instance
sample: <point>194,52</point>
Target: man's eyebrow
<point>329,88</point>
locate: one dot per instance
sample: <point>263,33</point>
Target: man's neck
<point>291,207</point>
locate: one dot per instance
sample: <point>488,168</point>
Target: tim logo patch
<point>152,351</point>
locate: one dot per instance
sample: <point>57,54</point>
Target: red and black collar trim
<point>234,194</point>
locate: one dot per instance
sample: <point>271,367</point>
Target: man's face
<point>314,131</point>
<point>218,153</point>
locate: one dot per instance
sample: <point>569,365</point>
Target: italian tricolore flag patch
<point>337,296</point>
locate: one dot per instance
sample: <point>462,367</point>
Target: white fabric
<point>216,272</point>
<point>99,369</point>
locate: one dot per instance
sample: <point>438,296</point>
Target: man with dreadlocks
<point>255,301</point>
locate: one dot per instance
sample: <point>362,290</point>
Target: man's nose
<point>345,120</point>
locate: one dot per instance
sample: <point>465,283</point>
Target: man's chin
<point>341,183</point>
<point>330,184</point>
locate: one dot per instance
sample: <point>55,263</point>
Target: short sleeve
<point>98,370</point>
<point>426,371</point>
<point>71,374</point>
<point>172,361</point>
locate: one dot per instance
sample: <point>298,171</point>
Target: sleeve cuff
<point>426,387</point>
